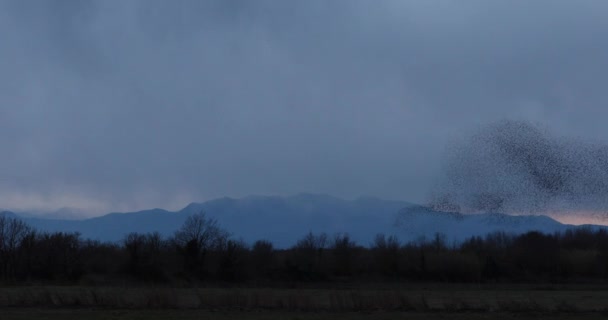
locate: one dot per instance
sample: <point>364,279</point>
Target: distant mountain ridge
<point>421,222</point>
<point>284,220</point>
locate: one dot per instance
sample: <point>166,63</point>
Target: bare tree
<point>201,231</point>
<point>145,251</point>
<point>195,238</point>
<point>312,242</point>
<point>344,250</point>
<point>386,254</point>
<point>263,257</point>
<point>309,257</point>
<point>12,233</point>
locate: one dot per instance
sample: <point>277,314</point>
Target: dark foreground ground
<point>23,314</point>
<point>377,302</point>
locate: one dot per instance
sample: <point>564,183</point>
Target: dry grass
<point>192,314</point>
<point>418,300</point>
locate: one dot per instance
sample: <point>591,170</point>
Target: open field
<point>389,302</point>
<point>77,314</point>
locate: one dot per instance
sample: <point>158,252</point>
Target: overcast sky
<point>122,105</point>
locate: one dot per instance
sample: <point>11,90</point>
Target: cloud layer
<point>135,104</point>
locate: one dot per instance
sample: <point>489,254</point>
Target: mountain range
<point>284,220</point>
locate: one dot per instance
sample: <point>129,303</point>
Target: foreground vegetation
<point>203,272</point>
<point>202,253</point>
<point>429,299</point>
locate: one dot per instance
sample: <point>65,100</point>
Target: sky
<point>133,104</point>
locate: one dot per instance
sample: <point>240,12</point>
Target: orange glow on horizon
<point>579,218</point>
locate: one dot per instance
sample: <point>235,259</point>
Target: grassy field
<point>390,302</point>
<point>74,314</point>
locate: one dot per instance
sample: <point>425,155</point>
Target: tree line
<point>202,252</point>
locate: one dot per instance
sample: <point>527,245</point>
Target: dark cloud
<point>155,103</point>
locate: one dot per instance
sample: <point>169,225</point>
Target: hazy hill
<point>283,220</point>
<point>416,223</point>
